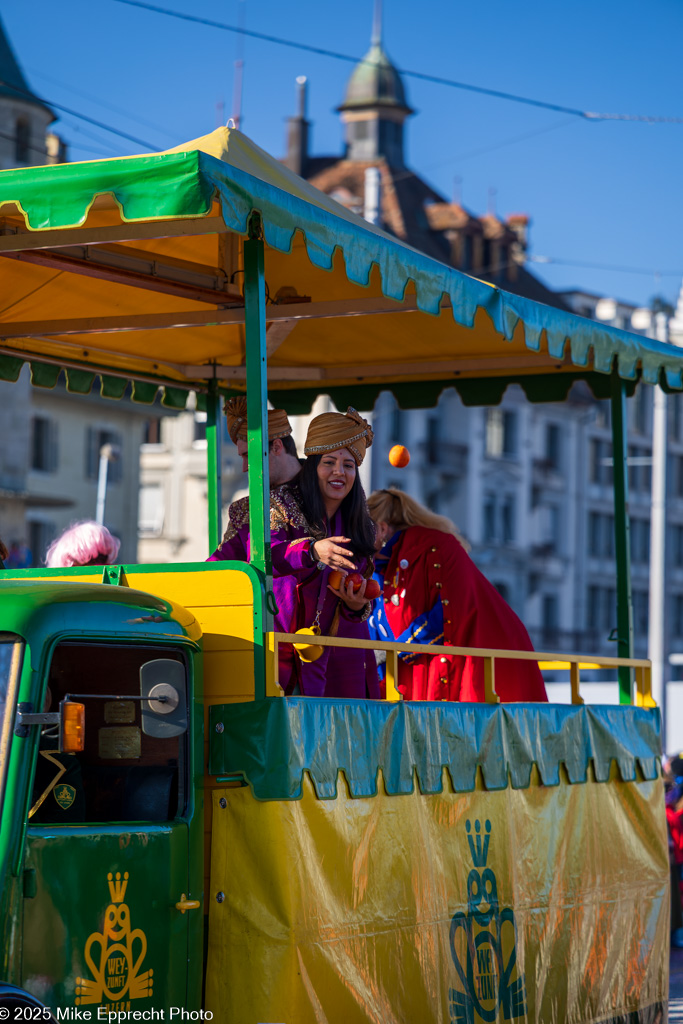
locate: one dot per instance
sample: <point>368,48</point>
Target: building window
<point>501,432</point>
<point>640,406</point>
<point>603,411</point>
<point>397,424</point>
<point>600,462</point>
<point>499,519</point>
<point>677,624</point>
<point>507,515</point>
<point>640,612</point>
<point>677,546</point>
<point>551,614</point>
<point>503,590</point>
<point>95,439</point>
<point>553,442</point>
<point>600,535</point>
<point>467,252</point>
<point>151,510</point>
<point>639,469</point>
<point>551,527</point>
<point>601,609</point>
<point>675,417</point>
<point>640,540</point>
<point>41,533</point>
<point>22,141</point>
<point>44,450</point>
<point>490,518</point>
<point>199,426</point>
<point>152,432</point>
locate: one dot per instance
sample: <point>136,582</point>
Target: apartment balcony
<point>547,473</point>
<point>443,456</point>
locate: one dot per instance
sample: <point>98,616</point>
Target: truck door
<point>109,837</point>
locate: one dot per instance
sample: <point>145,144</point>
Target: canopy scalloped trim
<point>414,743</point>
<point>184,184</point>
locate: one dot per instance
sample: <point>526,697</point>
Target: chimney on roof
<point>518,223</point>
<point>297,132</point>
<point>373,195</point>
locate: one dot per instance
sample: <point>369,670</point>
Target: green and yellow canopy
<point>131,270</point>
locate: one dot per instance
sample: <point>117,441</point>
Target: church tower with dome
<point>375,107</point>
<point>25,139</point>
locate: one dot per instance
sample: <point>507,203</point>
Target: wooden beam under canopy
<point>123,265</point>
<point>203,318</point>
<point>13,239</point>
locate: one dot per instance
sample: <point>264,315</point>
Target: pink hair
<point>82,544</point>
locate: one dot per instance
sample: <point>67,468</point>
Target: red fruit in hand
<point>372,590</point>
<point>356,581</point>
<point>335,579</point>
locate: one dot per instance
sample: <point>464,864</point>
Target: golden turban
<point>333,430</point>
<point>236,415</point>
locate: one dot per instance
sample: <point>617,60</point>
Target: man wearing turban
<point>283,470</point>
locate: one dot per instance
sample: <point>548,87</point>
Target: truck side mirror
<point>164,691</point>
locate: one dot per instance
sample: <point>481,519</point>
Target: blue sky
<point>604,193</point>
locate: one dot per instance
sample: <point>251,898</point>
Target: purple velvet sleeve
<point>291,557</point>
<point>232,550</point>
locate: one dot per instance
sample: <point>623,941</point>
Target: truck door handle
<point>184,904</point>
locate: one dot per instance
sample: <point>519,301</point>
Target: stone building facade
<point>49,441</point>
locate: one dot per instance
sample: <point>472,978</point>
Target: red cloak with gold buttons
<point>475,615</point>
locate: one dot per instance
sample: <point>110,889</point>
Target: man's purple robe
<point>341,671</point>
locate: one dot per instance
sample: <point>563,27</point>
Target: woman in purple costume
<point>341,536</point>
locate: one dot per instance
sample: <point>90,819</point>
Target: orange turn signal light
<point>71,727</point>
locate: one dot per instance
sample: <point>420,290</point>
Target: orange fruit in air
<point>399,456</point>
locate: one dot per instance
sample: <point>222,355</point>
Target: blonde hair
<point>400,510</point>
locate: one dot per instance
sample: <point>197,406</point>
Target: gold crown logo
<point>117,888</point>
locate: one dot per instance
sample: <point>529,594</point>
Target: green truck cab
<point>215,853</point>
<point>114,834</point>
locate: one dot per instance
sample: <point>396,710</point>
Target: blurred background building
<point>50,441</point>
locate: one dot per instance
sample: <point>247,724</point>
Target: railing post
<point>257,443</point>
<point>621,537</point>
<point>392,690</point>
<point>214,465</point>
<point>490,694</point>
<point>574,679</point>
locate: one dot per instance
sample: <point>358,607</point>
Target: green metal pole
<point>214,465</point>
<point>621,538</point>
<point>257,441</point>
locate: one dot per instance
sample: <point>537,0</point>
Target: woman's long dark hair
<point>358,526</point>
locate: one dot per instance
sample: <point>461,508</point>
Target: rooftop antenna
<point>239,66</point>
<point>457,190</point>
<point>220,113</point>
<point>493,192</point>
<point>377,24</point>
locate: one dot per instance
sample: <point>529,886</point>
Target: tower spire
<point>377,24</point>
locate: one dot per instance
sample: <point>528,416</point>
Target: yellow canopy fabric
<point>132,268</point>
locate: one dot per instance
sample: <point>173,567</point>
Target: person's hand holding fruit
<point>353,589</point>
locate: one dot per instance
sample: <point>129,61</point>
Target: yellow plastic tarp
<point>544,904</point>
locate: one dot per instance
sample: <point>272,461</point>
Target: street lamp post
<point>657,609</point>
<point>108,453</point>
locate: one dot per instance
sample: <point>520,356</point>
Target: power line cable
<point>422,75</point>
<point>35,73</point>
<point>605,266</point>
<point>81,117</point>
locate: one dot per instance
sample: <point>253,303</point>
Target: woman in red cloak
<point>434,593</point>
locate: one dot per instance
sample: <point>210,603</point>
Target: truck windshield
<point>11,649</point>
